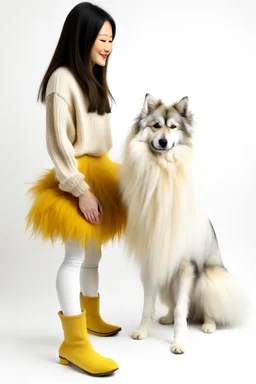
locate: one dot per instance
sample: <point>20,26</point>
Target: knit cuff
<point>76,186</point>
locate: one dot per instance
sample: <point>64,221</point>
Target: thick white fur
<point>165,219</point>
<point>168,228</point>
<point>219,296</point>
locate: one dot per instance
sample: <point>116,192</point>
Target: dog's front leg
<point>148,310</point>
<point>183,289</point>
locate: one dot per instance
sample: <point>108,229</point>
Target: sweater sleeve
<point>59,146</point>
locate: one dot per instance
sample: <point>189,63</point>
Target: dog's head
<point>164,127</point>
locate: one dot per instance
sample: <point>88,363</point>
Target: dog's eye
<point>173,126</point>
<point>157,125</point>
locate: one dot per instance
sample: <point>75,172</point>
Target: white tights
<point>78,273</point>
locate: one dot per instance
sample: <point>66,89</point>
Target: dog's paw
<point>139,334</point>
<point>208,328</point>
<point>178,349</point>
<point>166,320</point>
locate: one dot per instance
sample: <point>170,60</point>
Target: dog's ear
<point>149,104</point>
<point>182,106</point>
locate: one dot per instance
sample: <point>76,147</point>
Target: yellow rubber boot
<point>95,324</point>
<point>77,349</point>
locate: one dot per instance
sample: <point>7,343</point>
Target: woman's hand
<point>91,207</point>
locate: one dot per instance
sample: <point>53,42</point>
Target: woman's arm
<point>61,151</point>
<point>60,148</point>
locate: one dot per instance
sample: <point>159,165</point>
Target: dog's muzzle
<point>163,145</point>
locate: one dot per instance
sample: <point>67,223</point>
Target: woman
<point>78,202</point>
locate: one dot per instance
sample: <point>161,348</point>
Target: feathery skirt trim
<point>56,215</point>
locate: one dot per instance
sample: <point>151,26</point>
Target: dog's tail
<point>219,296</point>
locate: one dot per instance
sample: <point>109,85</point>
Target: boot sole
<point>64,361</point>
<point>103,334</point>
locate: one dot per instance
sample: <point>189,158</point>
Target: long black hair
<point>78,35</point>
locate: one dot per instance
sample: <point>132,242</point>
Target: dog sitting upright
<point>168,230</point>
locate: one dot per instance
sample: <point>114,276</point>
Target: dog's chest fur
<point>163,212</point>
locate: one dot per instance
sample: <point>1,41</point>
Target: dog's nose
<point>163,143</point>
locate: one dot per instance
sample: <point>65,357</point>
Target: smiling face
<point>163,128</point>
<point>102,46</point>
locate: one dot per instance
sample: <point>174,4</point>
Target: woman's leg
<point>89,274</point>
<point>90,300</point>
<point>68,279</point>
<point>76,347</point>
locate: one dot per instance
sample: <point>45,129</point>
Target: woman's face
<point>102,46</point>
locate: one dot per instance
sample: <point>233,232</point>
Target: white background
<point>202,49</point>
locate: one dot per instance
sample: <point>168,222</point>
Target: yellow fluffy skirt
<point>56,215</point>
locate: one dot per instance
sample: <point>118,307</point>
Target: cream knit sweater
<point>71,131</point>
